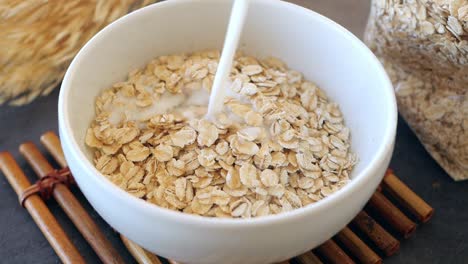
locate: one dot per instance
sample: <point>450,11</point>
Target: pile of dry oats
<point>424,47</point>
<point>278,145</point>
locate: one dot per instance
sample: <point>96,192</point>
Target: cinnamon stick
<point>392,215</point>
<point>308,258</point>
<point>141,256</point>
<point>52,143</point>
<point>357,247</point>
<point>407,197</point>
<point>381,238</point>
<point>44,219</point>
<point>333,253</point>
<point>72,207</point>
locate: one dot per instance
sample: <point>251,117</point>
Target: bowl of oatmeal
<point>304,137</point>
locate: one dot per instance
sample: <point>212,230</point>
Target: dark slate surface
<point>443,240</point>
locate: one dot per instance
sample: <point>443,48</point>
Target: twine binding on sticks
<point>45,186</point>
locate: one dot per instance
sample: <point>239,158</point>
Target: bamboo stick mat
<point>391,216</point>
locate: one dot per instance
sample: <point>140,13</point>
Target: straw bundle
<point>38,39</point>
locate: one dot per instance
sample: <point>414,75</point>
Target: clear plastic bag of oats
<point>424,46</point>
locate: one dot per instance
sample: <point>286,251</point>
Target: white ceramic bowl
<point>324,51</point>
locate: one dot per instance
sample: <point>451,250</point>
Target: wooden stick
<point>399,221</point>
<point>141,256</point>
<point>407,197</point>
<point>72,207</point>
<point>308,258</point>
<point>333,253</point>
<point>382,239</point>
<point>357,247</point>
<point>44,219</point>
<point>52,143</point>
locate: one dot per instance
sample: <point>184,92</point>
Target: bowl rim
<point>69,142</point>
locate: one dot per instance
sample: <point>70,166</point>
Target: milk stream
<point>234,31</point>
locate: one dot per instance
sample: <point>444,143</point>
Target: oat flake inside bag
<point>423,44</point>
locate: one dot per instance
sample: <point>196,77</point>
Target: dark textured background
<point>443,240</point>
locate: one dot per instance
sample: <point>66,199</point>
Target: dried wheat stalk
<point>38,39</point>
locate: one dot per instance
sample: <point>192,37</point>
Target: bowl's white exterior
<point>308,42</point>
